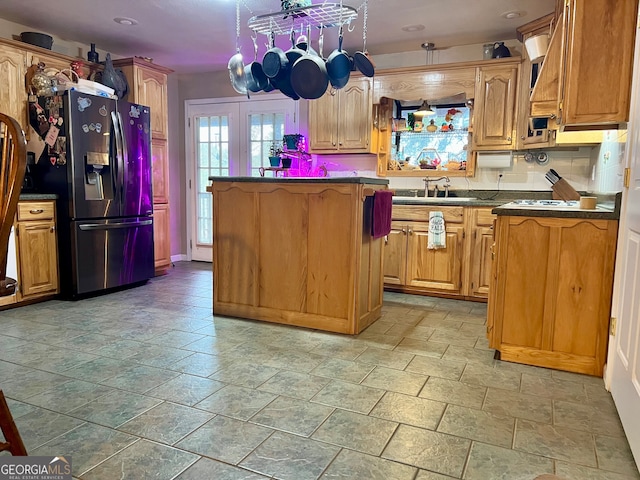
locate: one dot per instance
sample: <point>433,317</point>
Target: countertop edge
<point>358,180</point>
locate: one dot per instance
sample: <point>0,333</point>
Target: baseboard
<point>179,258</point>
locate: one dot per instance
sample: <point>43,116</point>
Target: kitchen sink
<point>436,199</point>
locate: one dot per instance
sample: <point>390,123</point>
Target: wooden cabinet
<point>37,249</point>
<point>494,107</point>
<point>533,132</point>
<point>13,95</point>
<point>462,270</point>
<point>341,120</point>
<point>161,240</point>
<point>586,76</point>
<point>148,86</point>
<point>551,291</point>
<point>479,251</point>
<point>409,264</point>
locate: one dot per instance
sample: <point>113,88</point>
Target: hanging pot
<point>274,62</point>
<point>236,64</point>
<point>236,73</point>
<point>255,76</point>
<point>339,65</point>
<point>294,53</point>
<point>309,74</point>
<point>362,60</point>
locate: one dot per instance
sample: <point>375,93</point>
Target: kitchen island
<point>297,251</point>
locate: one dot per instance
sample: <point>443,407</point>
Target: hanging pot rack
<point>321,16</point>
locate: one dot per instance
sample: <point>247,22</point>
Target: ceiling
<point>199,35</point>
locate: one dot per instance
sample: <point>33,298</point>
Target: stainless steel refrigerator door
<point>111,253</point>
<point>92,167</point>
<point>137,196</point>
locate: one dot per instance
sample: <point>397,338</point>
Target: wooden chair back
<point>13,441</point>
<point>13,165</point>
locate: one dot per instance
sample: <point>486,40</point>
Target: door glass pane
<point>212,144</point>
<point>264,128</point>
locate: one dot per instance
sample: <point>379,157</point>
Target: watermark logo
<point>35,468</point>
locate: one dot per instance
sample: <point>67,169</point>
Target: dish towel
<point>437,237</point>
<point>381,221</point>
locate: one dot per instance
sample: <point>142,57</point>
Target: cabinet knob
<point>508,139</point>
<point>411,231</point>
<point>53,229</point>
<point>333,143</point>
<point>340,143</point>
<point>404,231</point>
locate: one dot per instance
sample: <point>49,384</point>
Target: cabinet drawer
<point>483,217</point>
<point>420,213</point>
<point>35,211</point>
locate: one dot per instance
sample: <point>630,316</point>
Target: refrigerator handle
<point>124,161</point>
<point>113,226</point>
<point>118,158</point>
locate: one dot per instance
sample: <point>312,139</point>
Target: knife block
<point>564,191</point>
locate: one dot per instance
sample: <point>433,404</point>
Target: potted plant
<point>275,150</point>
<point>292,140</point>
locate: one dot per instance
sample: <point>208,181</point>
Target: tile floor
<point>145,383</point>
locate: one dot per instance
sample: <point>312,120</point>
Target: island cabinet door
<point>436,269</point>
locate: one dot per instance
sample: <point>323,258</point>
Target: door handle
<point>112,226</point>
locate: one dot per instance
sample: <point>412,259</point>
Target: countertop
<point>607,207</point>
<point>37,196</point>
<point>362,180</point>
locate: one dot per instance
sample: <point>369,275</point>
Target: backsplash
<point>596,169</point>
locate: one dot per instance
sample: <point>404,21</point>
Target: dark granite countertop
<point>363,180</point>
<point>37,196</point>
<point>608,206</point>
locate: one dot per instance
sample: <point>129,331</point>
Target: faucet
<point>428,180</point>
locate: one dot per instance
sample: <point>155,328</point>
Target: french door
<point>227,139</point>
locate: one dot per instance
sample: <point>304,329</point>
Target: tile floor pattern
<point>146,383</point>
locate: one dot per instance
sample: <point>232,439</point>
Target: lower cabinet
<point>461,270</point>
<point>551,291</point>
<point>161,240</point>
<point>37,250</point>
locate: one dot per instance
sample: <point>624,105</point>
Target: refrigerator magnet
<point>52,135</point>
<point>85,128</point>
<point>83,103</point>
<point>103,111</point>
<point>98,127</point>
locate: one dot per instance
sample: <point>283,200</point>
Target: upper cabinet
<point>494,107</point>
<point>341,120</point>
<point>532,131</point>
<point>13,95</point>
<point>586,75</point>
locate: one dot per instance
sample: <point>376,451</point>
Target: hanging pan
<point>274,62</point>
<point>255,76</point>
<point>362,60</point>
<point>339,65</point>
<point>309,73</point>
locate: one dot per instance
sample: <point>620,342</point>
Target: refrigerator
<point>97,160</point>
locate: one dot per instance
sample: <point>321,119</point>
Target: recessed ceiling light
<point>513,14</point>
<point>412,28</point>
<point>125,21</point>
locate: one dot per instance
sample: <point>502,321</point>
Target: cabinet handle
<point>386,239</point>
<point>404,231</point>
<point>36,211</point>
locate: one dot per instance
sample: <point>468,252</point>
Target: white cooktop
<point>538,204</point>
